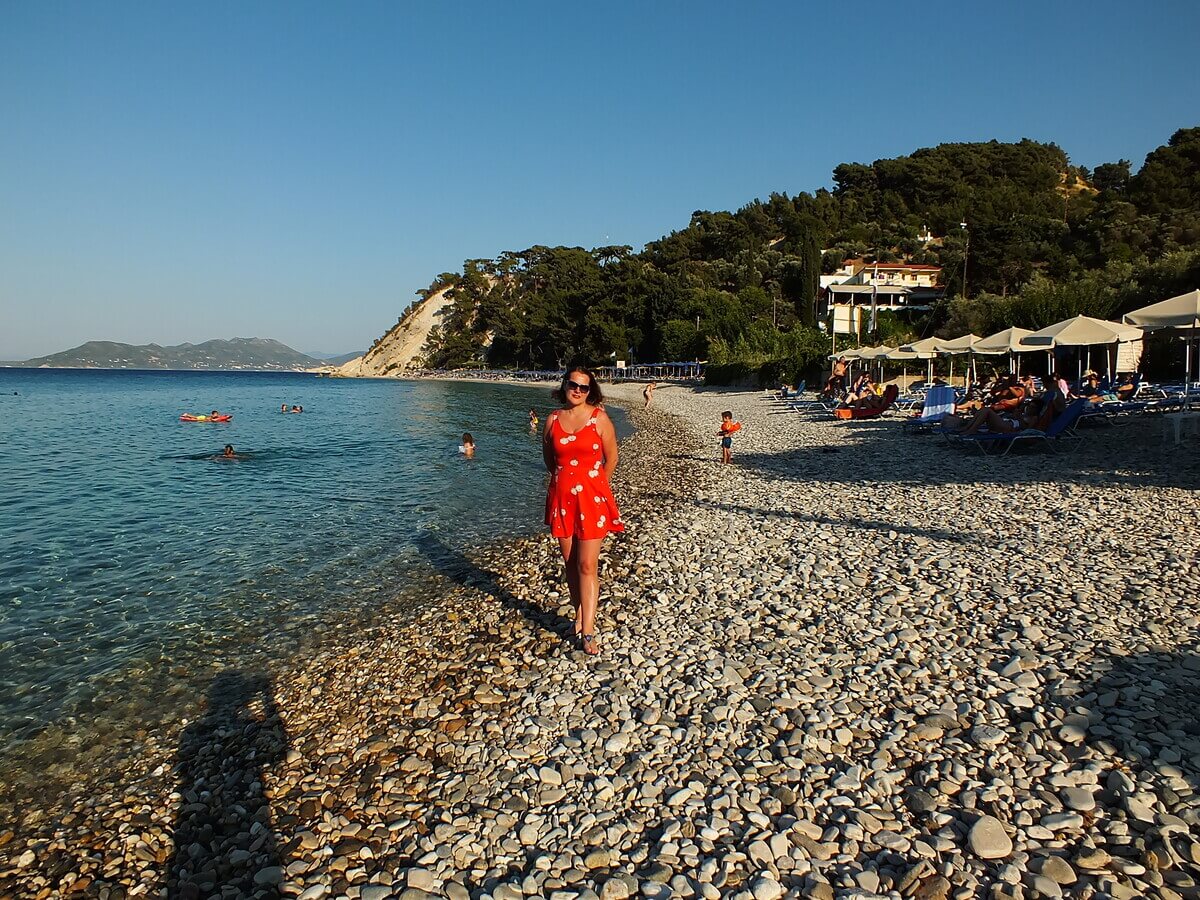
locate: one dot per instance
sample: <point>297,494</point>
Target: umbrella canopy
<point>849,354</point>
<point>902,355</point>
<point>1006,341</point>
<point>925,349</point>
<point>880,352</point>
<point>959,344</point>
<point>1178,312</point>
<point>1080,331</point>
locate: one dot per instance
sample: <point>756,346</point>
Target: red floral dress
<point>580,502</point>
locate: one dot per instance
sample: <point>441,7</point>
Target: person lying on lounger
<point>1036,413</point>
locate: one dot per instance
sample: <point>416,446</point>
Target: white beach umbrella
<point>877,354</point>
<point>1007,341</point>
<point>957,346</point>
<point>903,356</point>
<point>1177,312</point>
<point>1080,331</point>
<point>926,348</point>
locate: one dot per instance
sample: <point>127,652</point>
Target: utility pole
<point>966,254</point>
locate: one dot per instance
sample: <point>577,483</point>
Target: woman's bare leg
<point>587,565</point>
<point>570,553</point>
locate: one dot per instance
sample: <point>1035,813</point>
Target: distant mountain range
<point>255,354</point>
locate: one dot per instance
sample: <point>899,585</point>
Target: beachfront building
<point>893,286</point>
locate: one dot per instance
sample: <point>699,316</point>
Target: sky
<point>177,172</point>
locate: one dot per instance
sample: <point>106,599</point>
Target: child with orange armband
<point>728,427</point>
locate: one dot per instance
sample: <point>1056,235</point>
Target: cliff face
<point>400,348</point>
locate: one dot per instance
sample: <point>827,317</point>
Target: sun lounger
<point>938,402</point>
<point>869,412</point>
<point>1056,435</point>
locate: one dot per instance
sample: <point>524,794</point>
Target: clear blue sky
<point>175,172</point>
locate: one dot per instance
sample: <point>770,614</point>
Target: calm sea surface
<point>134,562</point>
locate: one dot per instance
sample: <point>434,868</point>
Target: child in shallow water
<point>726,431</point>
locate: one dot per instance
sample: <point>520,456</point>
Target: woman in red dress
<point>580,451</point>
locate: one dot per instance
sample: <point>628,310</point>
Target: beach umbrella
<point>957,346</point>
<point>1177,312</point>
<point>903,356</point>
<point>1080,331</point>
<point>1007,342</point>
<point>924,349</point>
<point>877,354</point>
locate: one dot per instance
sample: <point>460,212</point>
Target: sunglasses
<point>576,386</point>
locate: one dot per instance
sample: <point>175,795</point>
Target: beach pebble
<point>988,839</point>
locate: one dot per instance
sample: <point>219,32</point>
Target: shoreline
<point>852,662</point>
<point>457,583</point>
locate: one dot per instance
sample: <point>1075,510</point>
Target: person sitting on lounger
<point>1090,389</point>
<point>1007,395</point>
<point>864,388</point>
<point>837,379</point>
<point>1128,387</point>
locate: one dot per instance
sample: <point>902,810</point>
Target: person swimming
<point>283,407</point>
<point>533,420</point>
<point>228,453</point>
<point>467,448</point>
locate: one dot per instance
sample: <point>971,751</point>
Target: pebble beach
<point>854,664</point>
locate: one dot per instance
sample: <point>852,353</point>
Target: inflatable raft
<point>188,417</point>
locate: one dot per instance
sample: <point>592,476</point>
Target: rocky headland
<point>856,663</point>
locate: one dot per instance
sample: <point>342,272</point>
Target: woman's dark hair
<point>467,439</point>
<point>595,395</point>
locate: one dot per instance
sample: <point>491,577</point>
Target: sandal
<point>589,645</point>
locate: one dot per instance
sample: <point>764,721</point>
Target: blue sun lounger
<point>938,402</point>
<point>1056,435</point>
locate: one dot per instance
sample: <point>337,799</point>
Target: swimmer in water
<point>228,453</point>
<point>283,407</point>
<point>468,445</point>
<point>533,420</point>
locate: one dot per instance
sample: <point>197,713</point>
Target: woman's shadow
<point>456,566</point>
<point>225,843</point>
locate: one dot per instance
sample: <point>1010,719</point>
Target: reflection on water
<point>134,566</point>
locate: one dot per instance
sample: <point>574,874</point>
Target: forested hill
<point>1043,239</point>
<point>239,353</point>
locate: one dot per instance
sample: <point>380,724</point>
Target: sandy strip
<point>855,663</point>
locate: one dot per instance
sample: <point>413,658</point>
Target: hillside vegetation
<point>1044,239</point>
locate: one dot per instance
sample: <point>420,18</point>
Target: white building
<point>894,286</point>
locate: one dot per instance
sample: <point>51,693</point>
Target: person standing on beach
<point>726,431</point>
<point>648,394</point>
<point>579,448</point>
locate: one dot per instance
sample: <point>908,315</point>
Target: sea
<point>136,561</point>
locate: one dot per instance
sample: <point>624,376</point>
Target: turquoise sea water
<point>133,563</point>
